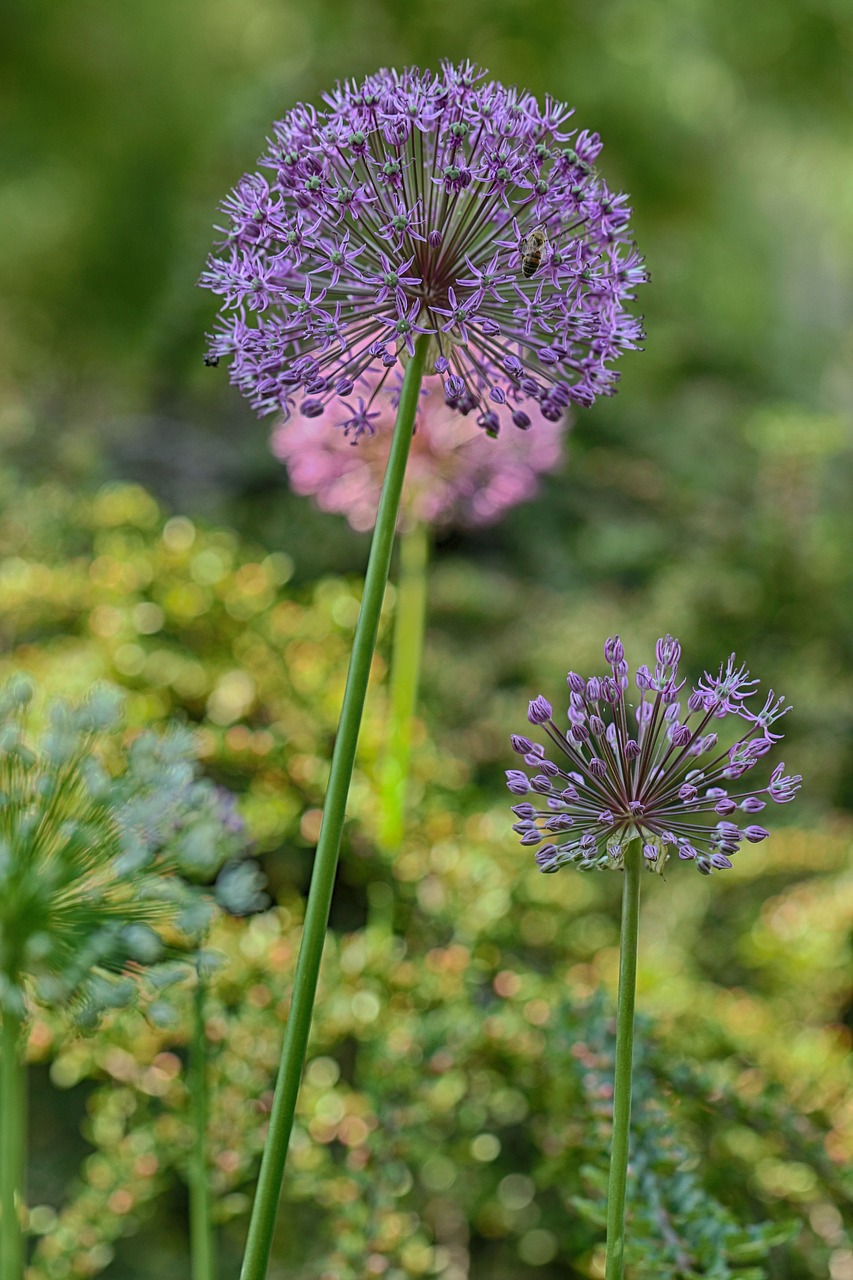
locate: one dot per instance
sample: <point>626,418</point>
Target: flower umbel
<point>454,474</point>
<point>652,769</point>
<point>420,203</point>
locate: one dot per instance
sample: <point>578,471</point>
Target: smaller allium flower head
<point>649,767</point>
<point>417,203</point>
<point>454,474</point>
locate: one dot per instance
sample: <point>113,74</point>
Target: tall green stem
<point>615,1264</point>
<point>201,1229</point>
<point>405,677</point>
<point>262,1221</point>
<point>13,1130</point>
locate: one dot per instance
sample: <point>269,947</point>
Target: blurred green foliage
<point>450,1108</point>
<point>459,981</point>
<point>709,498</point>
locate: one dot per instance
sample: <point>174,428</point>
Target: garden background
<point>149,537</point>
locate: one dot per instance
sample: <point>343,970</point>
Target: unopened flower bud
<point>614,651</point>
<point>546,858</point>
<point>539,711</point>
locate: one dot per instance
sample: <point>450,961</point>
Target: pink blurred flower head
<point>456,474</point>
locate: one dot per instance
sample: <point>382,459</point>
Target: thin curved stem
<point>262,1221</point>
<point>409,620</point>
<point>201,1229</point>
<point>615,1264</point>
<point>13,1138</point>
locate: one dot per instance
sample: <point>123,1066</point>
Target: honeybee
<point>531,249</point>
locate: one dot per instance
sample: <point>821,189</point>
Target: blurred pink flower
<point>456,474</point>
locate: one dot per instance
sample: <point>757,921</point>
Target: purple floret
<point>405,207</point>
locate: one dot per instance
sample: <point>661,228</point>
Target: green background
<point>713,487</point>
<point>710,498</point>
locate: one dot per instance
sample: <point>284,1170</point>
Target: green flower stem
<point>262,1221</point>
<point>405,677</point>
<point>13,1131</point>
<point>201,1229</point>
<point>615,1264</point>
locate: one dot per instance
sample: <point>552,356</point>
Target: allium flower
<point>651,769</point>
<point>454,474</point>
<point>407,206</point>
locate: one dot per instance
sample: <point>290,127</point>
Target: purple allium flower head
<point>420,203</point>
<point>648,769</point>
<point>454,474</point>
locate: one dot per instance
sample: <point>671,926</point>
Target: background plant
<point>456,474</point>
<point>426,1140</point>
<point>102,848</point>
<point>749,976</point>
